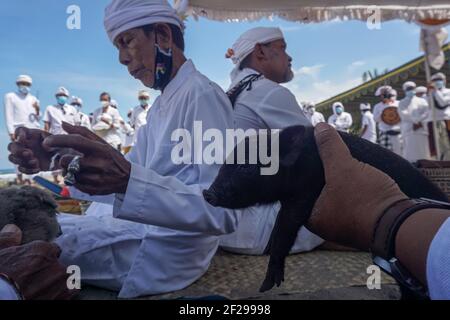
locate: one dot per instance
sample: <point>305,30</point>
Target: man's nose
<point>124,57</point>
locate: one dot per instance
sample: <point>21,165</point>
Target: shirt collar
<point>180,78</point>
<point>241,75</point>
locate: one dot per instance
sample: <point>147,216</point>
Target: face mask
<point>339,110</point>
<point>163,67</point>
<point>439,84</point>
<point>105,104</point>
<point>143,102</point>
<point>410,93</point>
<point>24,89</point>
<point>78,108</point>
<point>61,100</point>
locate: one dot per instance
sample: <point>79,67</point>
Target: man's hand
<point>37,107</point>
<point>12,136</point>
<point>103,169</point>
<point>27,151</point>
<point>354,197</point>
<point>36,270</point>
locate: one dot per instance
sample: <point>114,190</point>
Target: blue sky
<point>328,57</point>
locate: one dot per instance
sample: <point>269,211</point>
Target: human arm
<point>9,116</point>
<point>361,193</point>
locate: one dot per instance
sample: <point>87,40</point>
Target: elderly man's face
<point>137,52</point>
<point>279,63</point>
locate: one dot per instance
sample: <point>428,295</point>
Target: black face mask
<point>163,67</point>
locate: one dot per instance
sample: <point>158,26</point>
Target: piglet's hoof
<point>274,275</point>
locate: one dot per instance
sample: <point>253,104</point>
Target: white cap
<point>123,15</point>
<point>246,43</point>
<point>364,106</point>
<point>438,76</point>
<point>409,84</point>
<point>24,78</point>
<point>62,91</point>
<point>421,90</point>
<point>144,93</point>
<point>76,100</point>
<point>381,90</point>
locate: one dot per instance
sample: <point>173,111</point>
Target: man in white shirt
<point>21,110</point>
<point>60,112</point>
<point>56,114</point>
<point>414,114</point>
<point>388,119</point>
<point>441,96</point>
<point>368,126</point>
<point>106,121</point>
<point>176,234</point>
<point>260,102</point>
<point>314,116</point>
<point>82,118</point>
<point>139,113</point>
<point>340,119</point>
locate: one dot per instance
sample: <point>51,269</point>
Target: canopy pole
<point>430,97</point>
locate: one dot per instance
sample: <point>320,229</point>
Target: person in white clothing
<point>368,126</point>
<point>260,102</point>
<point>421,92</point>
<point>311,113</point>
<point>82,119</point>
<point>106,122</point>
<point>56,114</point>
<point>139,113</point>
<point>387,117</point>
<point>414,113</point>
<point>441,96</point>
<point>128,134</point>
<point>340,119</point>
<point>60,112</point>
<point>21,110</point>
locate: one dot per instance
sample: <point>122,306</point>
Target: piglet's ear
<point>291,147</point>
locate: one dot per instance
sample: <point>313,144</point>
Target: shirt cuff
<point>438,264</point>
<point>7,291</point>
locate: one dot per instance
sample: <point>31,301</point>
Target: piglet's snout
<point>211,198</point>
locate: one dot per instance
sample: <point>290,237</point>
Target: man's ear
<point>291,148</point>
<point>163,36</point>
<point>259,52</point>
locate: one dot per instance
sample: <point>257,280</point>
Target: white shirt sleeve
<point>46,117</point>
<point>438,264</point>
<point>9,114</point>
<point>166,201</point>
<point>280,110</point>
<point>7,291</point>
<point>442,99</point>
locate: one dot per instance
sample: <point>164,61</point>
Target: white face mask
<point>105,104</point>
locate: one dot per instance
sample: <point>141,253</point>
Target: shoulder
<point>10,95</point>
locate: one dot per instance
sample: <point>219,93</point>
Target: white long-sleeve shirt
<point>412,111</point>
<point>266,106</point>
<point>341,122</point>
<point>111,134</point>
<point>138,119</point>
<point>55,115</point>
<point>19,112</point>
<point>377,113</point>
<point>442,98</point>
<point>176,236</point>
<point>316,118</point>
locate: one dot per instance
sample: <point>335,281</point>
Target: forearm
<point>363,131</point>
<point>414,239</point>
<point>168,202</point>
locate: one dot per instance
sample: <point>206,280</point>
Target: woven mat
<point>239,277</point>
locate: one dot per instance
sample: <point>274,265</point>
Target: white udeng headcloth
<point>123,15</point>
<point>249,39</point>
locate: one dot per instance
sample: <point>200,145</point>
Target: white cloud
<point>321,90</point>
<point>356,65</point>
<point>310,71</point>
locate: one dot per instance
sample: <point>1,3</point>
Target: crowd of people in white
<point>404,126</point>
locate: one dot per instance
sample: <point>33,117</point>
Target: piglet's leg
<point>292,216</point>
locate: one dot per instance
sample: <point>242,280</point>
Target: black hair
<point>177,34</point>
<point>105,94</point>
